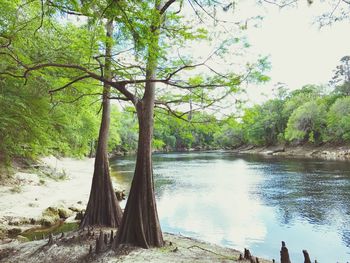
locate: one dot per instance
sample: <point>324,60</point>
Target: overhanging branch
<point>70,83</point>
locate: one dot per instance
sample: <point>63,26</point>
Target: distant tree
<point>307,123</point>
<point>230,134</point>
<point>298,97</point>
<point>341,78</point>
<point>338,120</point>
<point>264,124</point>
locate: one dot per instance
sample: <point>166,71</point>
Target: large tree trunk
<point>103,207</point>
<point>140,225</point>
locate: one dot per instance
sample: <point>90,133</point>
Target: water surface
<point>253,201</point>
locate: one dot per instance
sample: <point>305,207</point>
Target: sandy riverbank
<point>71,249</point>
<point>326,151</point>
<point>26,200</point>
<point>33,193</point>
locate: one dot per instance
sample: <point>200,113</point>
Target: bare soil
<point>75,247</point>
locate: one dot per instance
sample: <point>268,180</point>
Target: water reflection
<point>251,201</point>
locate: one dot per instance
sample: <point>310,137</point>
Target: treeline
<point>33,126</point>
<point>303,116</point>
<point>307,115</point>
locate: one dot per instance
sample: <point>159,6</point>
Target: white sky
<point>300,52</point>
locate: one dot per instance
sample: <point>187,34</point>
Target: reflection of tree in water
<point>123,171</point>
<point>317,191</point>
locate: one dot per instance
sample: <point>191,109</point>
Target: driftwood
<point>284,253</point>
<point>306,257</point>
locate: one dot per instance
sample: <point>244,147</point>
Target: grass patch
<point>16,189</point>
<point>39,233</point>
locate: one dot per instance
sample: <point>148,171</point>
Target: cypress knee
<point>306,257</point>
<point>284,254</point>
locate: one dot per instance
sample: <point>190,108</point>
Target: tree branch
<point>280,5</point>
<point>119,85</point>
<point>166,6</point>
<point>119,98</point>
<point>182,68</point>
<point>41,18</point>
<point>9,41</point>
<point>70,83</point>
<point>66,10</point>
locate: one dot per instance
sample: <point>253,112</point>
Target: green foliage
<point>263,124</point>
<point>308,122</point>
<point>32,122</point>
<point>115,129</point>
<point>229,135</point>
<point>171,133</point>
<point>338,120</point>
<point>298,97</point>
<point>31,126</point>
<point>128,131</point>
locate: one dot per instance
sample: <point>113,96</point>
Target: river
<point>255,202</point>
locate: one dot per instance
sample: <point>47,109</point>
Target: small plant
<point>63,175</point>
<point>16,189</point>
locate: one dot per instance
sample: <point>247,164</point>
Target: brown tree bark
<point>103,207</point>
<point>140,225</point>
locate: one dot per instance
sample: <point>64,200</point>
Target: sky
<point>300,52</point>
